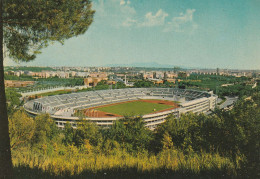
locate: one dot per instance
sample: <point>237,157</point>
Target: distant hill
<point>143,64</point>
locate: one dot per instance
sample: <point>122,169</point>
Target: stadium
<point>105,106</point>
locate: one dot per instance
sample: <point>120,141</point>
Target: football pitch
<point>134,108</point>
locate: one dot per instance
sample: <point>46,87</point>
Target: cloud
<point>121,13</point>
<point>113,12</point>
<point>183,22</point>
<point>129,22</point>
<point>185,17</point>
<point>154,20</point>
<point>122,2</point>
<point>149,20</point>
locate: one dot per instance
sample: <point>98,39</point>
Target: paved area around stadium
<point>100,111</point>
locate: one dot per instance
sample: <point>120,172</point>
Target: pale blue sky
<point>191,33</point>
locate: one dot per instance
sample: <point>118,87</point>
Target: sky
<point>186,33</point>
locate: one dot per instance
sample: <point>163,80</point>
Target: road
<point>229,101</point>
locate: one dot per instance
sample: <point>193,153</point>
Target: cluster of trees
<point>125,148</point>
<point>143,84</point>
<point>239,90</point>
<point>70,81</point>
<point>238,86</point>
<point>43,82</point>
<point>19,78</point>
<point>225,143</point>
<point>149,84</point>
<point>214,77</point>
<point>102,85</point>
<point>201,81</point>
<point>13,100</point>
<point>33,69</point>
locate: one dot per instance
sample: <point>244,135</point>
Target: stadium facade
<point>62,108</point>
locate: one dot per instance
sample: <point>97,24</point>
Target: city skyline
<point>192,34</point>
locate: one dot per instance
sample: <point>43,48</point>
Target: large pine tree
<point>27,26</point>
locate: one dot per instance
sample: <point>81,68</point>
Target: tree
<point>143,84</point>
<point>27,26</point>
<point>13,101</point>
<point>87,130</point>
<point>167,141</point>
<point>68,134</point>
<point>131,133</point>
<point>119,85</point>
<point>21,128</point>
<point>45,130</point>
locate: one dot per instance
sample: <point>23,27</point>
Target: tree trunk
<point>5,152</point>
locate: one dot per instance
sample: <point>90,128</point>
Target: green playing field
<point>134,108</point>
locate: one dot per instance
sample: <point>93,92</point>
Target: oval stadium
<point>105,106</point>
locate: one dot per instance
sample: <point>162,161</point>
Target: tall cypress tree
<point>27,26</point>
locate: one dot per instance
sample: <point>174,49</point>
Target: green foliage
<point>119,85</point>
<point>27,32</point>
<point>182,74</point>
<point>213,82</point>
<point>143,84</point>
<point>167,141</point>
<point>46,130</point>
<point>167,84</point>
<point>237,90</point>
<point>86,135</point>
<point>87,130</point>
<point>68,134</point>
<point>233,134</point>
<point>101,85</point>
<point>12,100</point>
<point>131,133</point>
<point>111,147</point>
<point>246,115</point>
<point>25,68</point>
<point>19,78</point>
<point>185,132</point>
<point>55,93</point>
<point>21,128</point>
<point>170,163</point>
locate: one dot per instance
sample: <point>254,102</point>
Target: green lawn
<point>134,108</point>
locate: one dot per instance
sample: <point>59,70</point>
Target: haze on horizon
<point>190,33</point>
